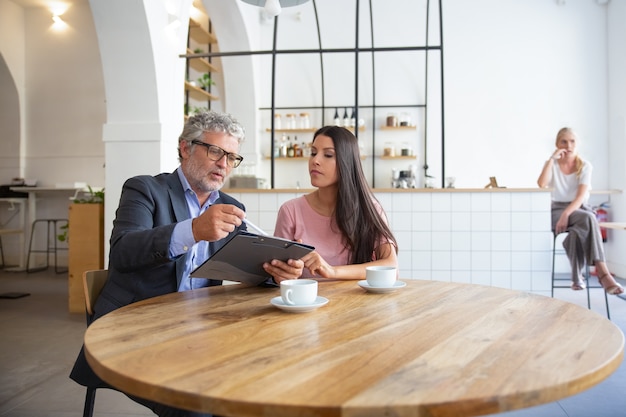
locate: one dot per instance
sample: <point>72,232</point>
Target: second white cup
<point>380,276</point>
<point>298,291</point>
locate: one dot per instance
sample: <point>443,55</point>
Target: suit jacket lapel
<point>181,212</point>
<point>177,198</point>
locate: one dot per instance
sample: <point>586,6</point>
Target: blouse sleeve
<point>285,223</point>
<point>585,175</point>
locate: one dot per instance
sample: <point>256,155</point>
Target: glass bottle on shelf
<point>283,146</point>
<point>297,150</point>
<point>346,118</point>
<point>276,150</point>
<point>353,118</point>
<point>306,150</point>
<point>336,117</point>
<point>277,121</point>
<point>405,119</point>
<point>289,148</point>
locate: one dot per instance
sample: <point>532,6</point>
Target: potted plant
<point>205,81</point>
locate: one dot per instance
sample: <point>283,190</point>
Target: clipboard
<point>241,259</point>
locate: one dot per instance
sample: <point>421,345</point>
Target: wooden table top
<point>613,225</point>
<point>429,349</point>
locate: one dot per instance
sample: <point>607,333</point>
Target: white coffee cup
<point>298,291</point>
<point>380,276</point>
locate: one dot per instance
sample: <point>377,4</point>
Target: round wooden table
<point>429,349</point>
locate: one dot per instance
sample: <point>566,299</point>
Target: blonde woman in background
<point>570,178</point>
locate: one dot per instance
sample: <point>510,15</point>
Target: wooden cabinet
<point>86,248</point>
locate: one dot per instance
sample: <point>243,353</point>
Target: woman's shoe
<point>614,289</point>
<point>578,285</point>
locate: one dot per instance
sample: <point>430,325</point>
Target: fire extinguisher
<point>603,216</point>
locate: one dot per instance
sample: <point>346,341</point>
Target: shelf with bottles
<point>398,157</point>
<point>288,158</point>
<point>308,130</point>
<point>384,127</point>
<point>306,158</point>
<point>305,130</point>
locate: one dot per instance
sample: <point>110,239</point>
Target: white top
<point>565,186</point>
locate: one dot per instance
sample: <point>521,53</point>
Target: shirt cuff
<point>182,238</point>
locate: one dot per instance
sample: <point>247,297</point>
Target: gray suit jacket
<point>139,262</point>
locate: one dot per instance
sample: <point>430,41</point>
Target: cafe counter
<point>491,236</point>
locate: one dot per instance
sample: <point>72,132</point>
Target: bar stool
<point>52,226</point>
<point>586,275</point>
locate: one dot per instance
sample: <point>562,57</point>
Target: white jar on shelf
<point>277,121</point>
<point>305,121</point>
<point>389,149</point>
<point>291,121</point>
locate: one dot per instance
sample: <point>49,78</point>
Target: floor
<point>40,340</point>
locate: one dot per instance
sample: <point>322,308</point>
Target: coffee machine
<point>404,178</point>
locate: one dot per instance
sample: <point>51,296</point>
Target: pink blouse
<point>298,221</point>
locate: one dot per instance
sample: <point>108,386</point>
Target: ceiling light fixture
<point>274,7</point>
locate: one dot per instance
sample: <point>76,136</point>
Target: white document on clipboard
<point>241,259</point>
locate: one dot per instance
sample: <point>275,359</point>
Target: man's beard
<point>198,177</point>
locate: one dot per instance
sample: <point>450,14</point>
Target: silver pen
<point>254,227</point>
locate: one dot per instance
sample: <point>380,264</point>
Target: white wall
<point>616,246</point>
<point>515,72</point>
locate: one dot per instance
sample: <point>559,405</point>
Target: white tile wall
<point>499,238</point>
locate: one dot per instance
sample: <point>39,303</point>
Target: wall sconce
<point>57,10</point>
<point>274,7</point>
<point>59,24</point>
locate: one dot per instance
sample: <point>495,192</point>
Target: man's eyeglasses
<point>216,153</point>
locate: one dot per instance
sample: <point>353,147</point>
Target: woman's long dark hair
<point>356,215</point>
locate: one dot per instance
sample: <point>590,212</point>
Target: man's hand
<point>217,222</point>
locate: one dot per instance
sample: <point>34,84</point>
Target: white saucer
<point>381,290</point>
<point>278,302</point>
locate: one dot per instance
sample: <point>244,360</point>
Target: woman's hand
<point>559,153</point>
<point>561,224</point>
<point>292,269</point>
<point>318,266</point>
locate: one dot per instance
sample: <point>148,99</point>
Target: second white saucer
<point>278,302</point>
<point>381,290</point>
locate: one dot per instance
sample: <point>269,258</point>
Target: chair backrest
<point>93,282</point>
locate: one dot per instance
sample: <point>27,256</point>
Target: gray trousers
<point>583,244</point>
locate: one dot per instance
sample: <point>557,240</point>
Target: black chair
<point>555,281</point>
<point>93,282</point>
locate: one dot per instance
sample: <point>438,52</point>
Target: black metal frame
<point>356,50</point>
